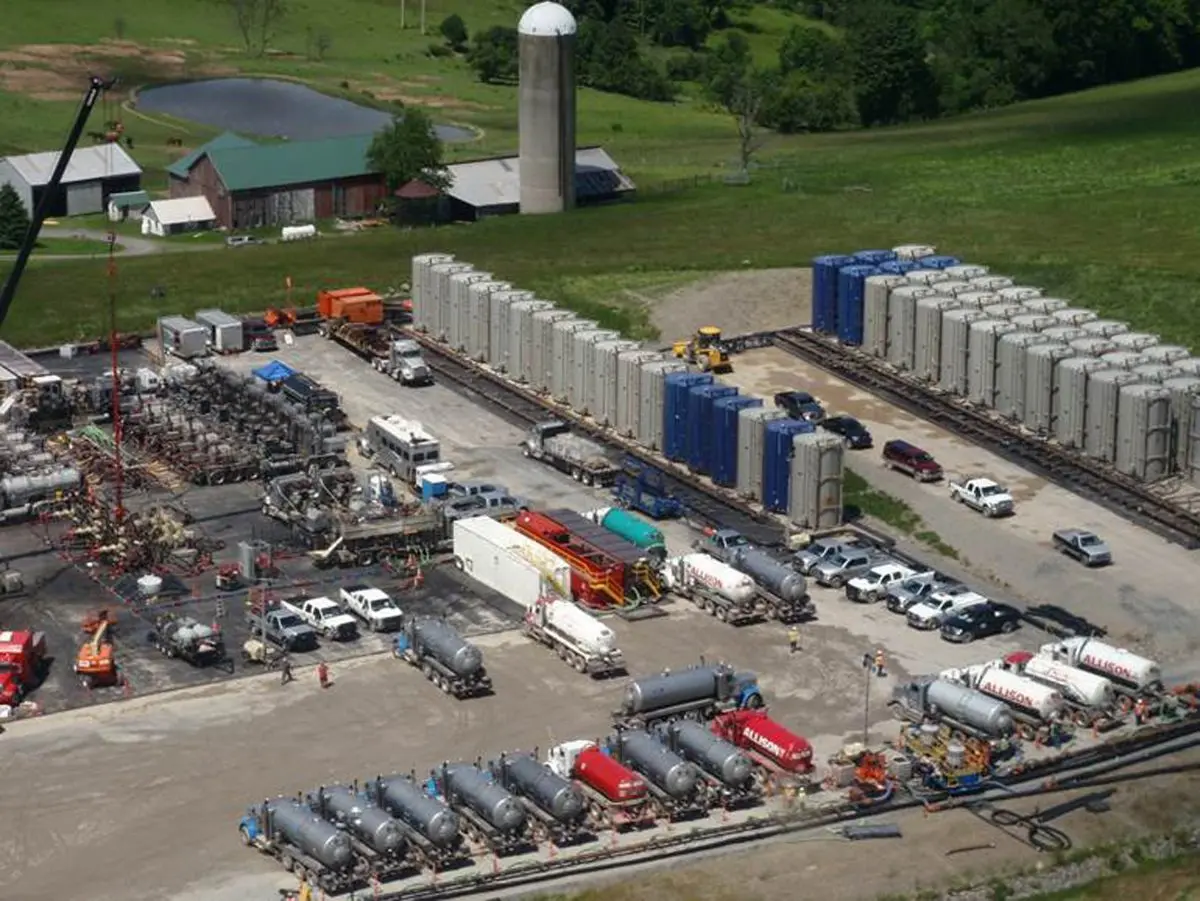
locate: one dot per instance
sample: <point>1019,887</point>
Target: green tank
<point>636,531</point>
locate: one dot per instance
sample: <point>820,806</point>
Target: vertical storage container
<point>1123,359</point>
<point>458,309</point>
<point>541,366</point>
<point>723,462</point>
<point>927,354</point>
<point>1165,353</point>
<point>225,331</point>
<point>564,355</point>
<point>1092,346</point>
<point>991,282</point>
<point>479,331</point>
<point>1194,445</point>
<point>653,377</point>
<point>701,421</point>
<point>902,324</point>
<point>1064,334</point>
<point>851,283</point>
<point>583,365</point>
<point>777,462</point>
<point>815,493</point>
<point>675,412</point>
<point>1011,362</point>
<point>952,286</point>
<point>500,327</point>
<point>977,300</point>
<point>439,297</point>
<point>1144,432</point>
<point>629,389</point>
<point>1074,316</point>
<point>752,444</point>
<point>1002,310</point>
<point>1046,306</point>
<point>523,336</point>
<point>420,286</point>
<point>1184,391</point>
<point>1189,365</point>
<point>956,346</point>
<point>824,291</point>
<point>983,358</point>
<point>874,257</point>
<point>1104,328</point>
<point>940,262</point>
<point>1033,322</point>
<point>1070,400</point>
<point>1134,340</point>
<point>1100,418</point>
<point>1018,293</point>
<point>602,396</point>
<point>1041,363</point>
<point>914,251</point>
<point>1154,372</point>
<point>927,277</point>
<point>898,267</point>
<point>875,311</point>
<point>966,271</point>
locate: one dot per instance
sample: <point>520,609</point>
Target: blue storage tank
<point>675,411</point>
<point>851,284</point>
<point>898,267</point>
<point>701,422</point>
<point>939,262</point>
<point>874,257</point>
<point>777,461</point>
<point>722,464</point>
<point>824,291</point>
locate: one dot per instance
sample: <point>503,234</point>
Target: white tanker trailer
<point>1032,704</point>
<point>715,587</point>
<point>1091,696</point>
<point>1130,673</point>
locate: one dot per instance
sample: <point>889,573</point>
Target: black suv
<point>800,405</point>
<point>992,618</point>
<point>851,429</point>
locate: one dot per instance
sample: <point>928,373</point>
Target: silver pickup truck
<point>1084,546</point>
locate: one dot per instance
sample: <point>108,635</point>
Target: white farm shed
<point>173,217</point>
<point>93,174</point>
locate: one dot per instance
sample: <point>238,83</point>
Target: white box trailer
<point>225,331</point>
<point>182,337</point>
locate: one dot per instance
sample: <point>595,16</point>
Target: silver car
<point>918,588</point>
<point>837,570</point>
<point>824,549</point>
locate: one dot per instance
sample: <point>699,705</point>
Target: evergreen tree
<point>14,220</point>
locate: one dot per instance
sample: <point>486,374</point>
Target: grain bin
<point>1068,407</point>
<point>675,411</point>
<point>652,394</point>
<point>439,297</point>
<point>927,277</point>
<point>1076,316</point>
<point>752,443</point>
<point>479,330</point>
<point>226,332</point>
<point>1100,417</point>
<point>824,291</point>
<point>956,345</point>
<point>1065,333</point>
<point>1002,310</point>
<point>927,353</point>
<point>940,262</point>
<point>582,364</point>
<point>851,283</point>
<point>421,286</point>
<point>1123,359</point>
<point>1104,328</point>
<point>1154,372</point>
<point>983,359</point>
<point>902,323</point>
<point>563,349</point>
<point>913,251</point>
<point>1019,293</point>
<point>815,493</point>
<point>991,282</point>
<point>1144,432</point>
<point>1047,306</point>
<point>898,267</point>
<point>873,257</point>
<point>1165,353</point>
<point>600,399</point>
<point>723,462</point>
<point>966,271</point>
<point>629,388</point>
<point>1184,392</point>
<point>541,367</point>
<point>1041,364</point>
<point>977,299</point>
<point>701,421</point>
<point>1033,322</point>
<point>1136,341</point>
<point>777,461</point>
<point>458,308</point>
<point>875,312</point>
<point>1092,346</point>
<point>521,337</point>
<point>1011,371</point>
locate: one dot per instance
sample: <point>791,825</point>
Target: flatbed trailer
<point>364,544</point>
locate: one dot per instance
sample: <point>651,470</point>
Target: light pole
<point>867,664</point>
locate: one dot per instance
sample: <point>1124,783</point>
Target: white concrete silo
<point>546,42</point>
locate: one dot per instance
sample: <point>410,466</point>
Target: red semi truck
<point>22,665</point>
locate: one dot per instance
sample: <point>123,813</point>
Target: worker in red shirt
<point>323,674</point>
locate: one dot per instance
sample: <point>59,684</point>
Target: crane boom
<point>96,87</point>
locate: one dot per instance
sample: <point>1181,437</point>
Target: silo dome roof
<point>547,19</point>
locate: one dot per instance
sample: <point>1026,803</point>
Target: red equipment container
<point>22,664</point>
<point>597,579</point>
<point>618,784</point>
<point>766,741</point>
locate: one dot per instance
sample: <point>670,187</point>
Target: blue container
<point>723,462</point>
<point>701,422</point>
<point>851,285</point>
<point>939,262</point>
<point>898,267</point>
<point>777,461</point>
<point>874,257</point>
<point>824,291</point>
<point>675,411</point>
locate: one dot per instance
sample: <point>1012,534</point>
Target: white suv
<point>932,613</point>
<point>872,585</point>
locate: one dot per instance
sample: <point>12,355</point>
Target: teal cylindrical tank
<point>634,530</point>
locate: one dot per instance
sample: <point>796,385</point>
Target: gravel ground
<point>737,302</point>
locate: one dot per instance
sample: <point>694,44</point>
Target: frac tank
<point>752,436</point>
<point>428,816</point>
<point>976,299</point>
<point>421,291</point>
<point>1069,406</point>
<point>645,754</point>
<point>1165,353</point>
<point>956,345</point>
<point>898,267</point>
<point>968,706</point>
<point>1018,293</point>
<point>316,837</point>
<point>824,291</point>
<point>1105,328</point>
<point>1134,341</point>
<point>1075,316</point>
<point>778,578</point>
<point>777,461</point>
<point>983,359</point>
<point>1103,395</point>
<point>542,786</point>
<point>635,530</point>
<point>1184,390</point>
<point>473,788</point>
<point>913,251</point>
<point>700,422</point>
<point>1041,363</point>
<point>876,292</point>
<point>371,824</point>
<point>874,257</point>
<point>902,323</point>
<point>851,282</point>
<point>678,387</point>
<point>966,271</point>
<point>450,648</point>
<point>927,277</point>
<point>940,262</point>
<point>815,498</point>
<point>712,754</point>
<point>1144,432</point>
<point>1045,306</point>
<point>1011,372</point>
<point>723,462</point>
<point>928,344</point>
<point>652,693</point>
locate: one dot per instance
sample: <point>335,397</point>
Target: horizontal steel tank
<point>1105,328</point>
<point>717,757</point>
<point>643,753</point>
<point>778,578</point>
<point>467,784</point>
<point>680,687</point>
<point>968,706</point>
<point>441,640</point>
<point>541,785</point>
<point>371,824</point>
<point>21,489</point>
<point>428,816</point>
<point>1019,293</point>
<point>318,838</point>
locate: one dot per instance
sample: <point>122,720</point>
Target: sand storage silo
<point>1011,372</point>
<point>1154,372</point>
<point>991,282</point>
<point>420,285</point>
<point>1165,353</point>
<point>875,312</point>
<point>977,300</point>
<point>1123,359</point>
<point>983,359</point>
<point>522,335</point>
<point>1019,293</point>
<point>902,323</point>
<point>1188,365</point>
<point>500,327</point>
<point>1003,310</point>
<point>1069,405</point>
<point>1092,346</point>
<point>1041,366</point>
<point>458,311</point>
<point>1033,322</point>
<point>602,397</point>
<point>652,401</point>
<point>1100,417</point>
<point>1137,341</point>
<point>824,291</point>
<point>1144,432</point>
<point>953,287</point>
<point>815,488</point>
<point>1074,316</point>
<point>966,271</point>
<point>1047,306</point>
<point>913,251</point>
<point>1064,333</point>
<point>585,366</point>
<point>629,389</point>
<point>1184,392</point>
<point>561,348</point>
<point>439,297</point>
<point>752,444</point>
<point>1105,328</point>
<point>851,284</point>
<point>542,367</point>
<point>479,330</point>
<point>927,353</point>
<point>546,108</point>
<point>927,277</point>
<point>956,348</point>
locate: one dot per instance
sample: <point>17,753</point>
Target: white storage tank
<point>991,282</point>
<point>500,327</point>
<point>1165,353</point>
<point>439,301</point>
<point>1144,432</point>
<point>225,331</point>
<point>983,359</point>
<point>1092,346</point>
<point>1189,365</point>
<point>652,404</point>
<point>1041,364</point>
<point>1003,310</point>
<point>1154,372</point>
<point>1104,328</point>
<point>977,299</point>
<point>1064,333</point>
<point>542,367</point>
<point>421,287</point>
<point>584,363</point>
<point>479,308</point>
<point>953,287</point>
<point>902,323</point>
<point>926,277</point>
<point>966,271</point>
<point>815,487</point>
<point>1100,417</point>
<point>1019,293</point>
<point>1069,404</point>
<point>752,446</point>
<point>1184,390</point>
<point>629,389</point>
<point>1194,445</point>
<point>1074,316</point>
<point>458,311</point>
<point>1135,340</point>
<point>928,349</point>
<point>563,352</point>
<point>1011,360</point>
<point>1047,306</point>
<point>1123,359</point>
<point>875,312</point>
<point>956,347</point>
<point>521,335</point>
<point>1033,322</point>
<point>602,397</point>
<point>911,252</point>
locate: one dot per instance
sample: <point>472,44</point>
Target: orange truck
<point>358,305</point>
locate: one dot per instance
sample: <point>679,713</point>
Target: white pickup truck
<point>373,606</point>
<point>324,615</point>
<point>985,495</point>
<point>940,606</point>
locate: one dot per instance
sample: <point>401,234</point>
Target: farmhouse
<point>255,185</point>
<point>181,214</point>
<point>93,174</point>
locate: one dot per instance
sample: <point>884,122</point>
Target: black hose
<point>1040,836</point>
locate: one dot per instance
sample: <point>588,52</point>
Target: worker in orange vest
<point>1140,711</point>
<point>880,669</point>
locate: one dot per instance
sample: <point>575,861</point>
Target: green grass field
<point>64,247</point>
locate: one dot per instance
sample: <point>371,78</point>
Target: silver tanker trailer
<point>971,711</point>
<point>674,782</point>
<point>448,660</point>
<point>721,760</point>
<point>433,828</point>
<point>497,818</point>
<point>305,844</point>
<point>699,692</point>
<point>556,802</point>
<point>375,835</point>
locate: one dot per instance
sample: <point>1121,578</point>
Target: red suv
<point>911,459</point>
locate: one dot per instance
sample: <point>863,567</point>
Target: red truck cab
<point>22,664</point>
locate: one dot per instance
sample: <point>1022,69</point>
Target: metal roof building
<point>492,187</point>
<point>92,175</point>
<point>182,214</point>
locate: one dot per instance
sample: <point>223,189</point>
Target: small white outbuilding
<point>173,217</point>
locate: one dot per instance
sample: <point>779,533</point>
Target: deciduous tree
<point>493,55</point>
<point>407,149</point>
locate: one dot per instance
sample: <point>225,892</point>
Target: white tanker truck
<point>1031,703</point>
<point>1130,673</point>
<point>715,587</point>
<point>1089,696</point>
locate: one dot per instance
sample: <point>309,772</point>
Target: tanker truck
<point>1090,697</point>
<point>1131,674</point>
<point>1031,703</point>
<point>728,772</point>
<point>716,588</point>
<point>490,813</point>
<point>580,639</point>
<point>699,692</point>
<point>374,835</point>
<point>772,746</point>
<point>782,592</point>
<point>448,660</point>
<point>633,529</point>
<point>555,801</point>
<point>615,794</point>
<point>312,848</point>
<point>958,706</point>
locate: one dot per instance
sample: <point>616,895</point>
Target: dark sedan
<point>982,621</point>
<point>851,429</point>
